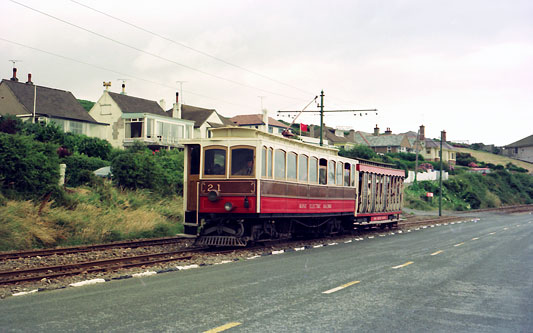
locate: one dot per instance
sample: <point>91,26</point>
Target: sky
<point>465,67</point>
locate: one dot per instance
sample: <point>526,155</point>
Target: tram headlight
<point>213,196</point>
<point>228,206</point>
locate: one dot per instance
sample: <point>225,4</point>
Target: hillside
<point>496,159</point>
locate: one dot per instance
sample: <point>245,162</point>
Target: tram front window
<point>215,162</point>
<point>242,162</point>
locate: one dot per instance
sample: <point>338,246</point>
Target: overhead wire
<point>152,54</point>
<point>189,47</point>
<point>120,73</point>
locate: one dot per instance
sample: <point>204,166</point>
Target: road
<point>474,276</point>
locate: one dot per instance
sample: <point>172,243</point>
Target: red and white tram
<point>245,185</point>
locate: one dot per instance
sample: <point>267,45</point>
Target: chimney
<point>123,89</point>
<point>14,78</point>
<point>29,79</point>
<point>443,136</point>
<point>376,130</point>
<point>388,131</point>
<point>163,104</point>
<point>422,133</point>
<point>265,119</point>
<point>176,107</point>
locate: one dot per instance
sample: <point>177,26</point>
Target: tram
<point>243,185</point>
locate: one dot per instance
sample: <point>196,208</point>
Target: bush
<point>359,151</point>
<point>28,167</point>
<point>92,147</point>
<point>80,168</point>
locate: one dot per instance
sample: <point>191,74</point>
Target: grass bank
<point>472,191</point>
<point>88,215</point>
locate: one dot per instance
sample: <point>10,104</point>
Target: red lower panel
<point>207,206</point>
<point>301,206</point>
<point>379,216</point>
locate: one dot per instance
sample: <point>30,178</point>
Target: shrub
<point>28,167</point>
<point>80,168</point>
<point>92,147</point>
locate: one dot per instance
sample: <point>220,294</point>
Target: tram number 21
<point>211,187</point>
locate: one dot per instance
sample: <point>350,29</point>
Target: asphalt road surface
<point>472,276</point>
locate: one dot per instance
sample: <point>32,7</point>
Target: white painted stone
<point>147,273</point>
<point>86,282</point>
<point>25,292</point>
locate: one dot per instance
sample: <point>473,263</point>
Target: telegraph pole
<point>440,177</point>
<point>322,111</point>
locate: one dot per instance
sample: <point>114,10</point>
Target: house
<point>260,122</point>
<point>430,149</point>
<point>134,119</point>
<point>50,105</point>
<point>388,142</point>
<point>521,149</point>
<point>204,119</point>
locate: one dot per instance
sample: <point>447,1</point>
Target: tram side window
<point>195,159</point>
<point>353,176</point>
<point>302,168</point>
<point>264,162</point>
<point>339,173</point>
<point>215,162</point>
<point>269,166</point>
<point>242,162</point>
<point>291,165</point>
<point>279,168</point>
<point>346,174</point>
<point>331,173</point>
<point>313,169</point>
<point>322,171</point>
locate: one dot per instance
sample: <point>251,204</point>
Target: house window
<point>149,127</point>
<point>215,161</point>
<point>279,169</point>
<point>75,127</point>
<point>270,129</point>
<point>302,168</point>
<point>313,168</point>
<point>389,149</point>
<point>280,130</point>
<point>428,151</point>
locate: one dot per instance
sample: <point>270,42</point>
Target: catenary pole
<point>440,176</point>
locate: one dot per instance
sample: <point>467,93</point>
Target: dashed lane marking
<point>346,285</point>
<point>492,233</point>
<point>223,327</point>
<point>505,228</point>
<point>435,253</point>
<point>403,265</point>
<point>456,245</point>
<point>475,238</point>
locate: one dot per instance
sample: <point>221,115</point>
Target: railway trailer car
<point>243,185</point>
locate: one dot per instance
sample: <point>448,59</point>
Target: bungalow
<point>28,100</point>
<point>430,149</point>
<point>260,122</point>
<point>204,119</point>
<point>134,119</point>
<point>521,149</point>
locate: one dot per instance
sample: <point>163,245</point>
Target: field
<point>496,159</point>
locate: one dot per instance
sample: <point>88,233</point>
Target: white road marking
<point>403,265</point>
<point>346,285</point>
<point>435,253</point>
<point>456,245</point>
<point>475,238</point>
<point>223,327</point>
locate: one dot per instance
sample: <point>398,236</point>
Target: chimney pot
<point>422,133</point>
<point>29,79</point>
<point>443,136</point>
<point>376,130</point>
<point>14,78</point>
<point>123,89</point>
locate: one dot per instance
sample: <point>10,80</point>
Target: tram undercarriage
<point>244,231</point>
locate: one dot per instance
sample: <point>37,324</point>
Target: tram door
<point>193,176</point>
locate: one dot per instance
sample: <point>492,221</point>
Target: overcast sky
<point>461,66</point>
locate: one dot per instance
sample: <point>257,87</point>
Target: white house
<point>136,119</point>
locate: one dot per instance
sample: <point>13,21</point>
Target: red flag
<point>303,127</point>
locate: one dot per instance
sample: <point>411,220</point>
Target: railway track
<point>90,248</point>
<point>49,272</point>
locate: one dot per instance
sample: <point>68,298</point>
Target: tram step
<point>220,241</point>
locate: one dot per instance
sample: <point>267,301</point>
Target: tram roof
<point>244,133</point>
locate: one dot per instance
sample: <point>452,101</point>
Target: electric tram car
<point>243,185</point>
